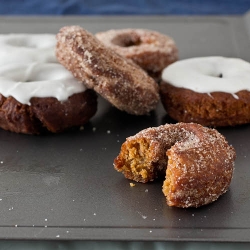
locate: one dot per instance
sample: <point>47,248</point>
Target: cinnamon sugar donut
<point>118,80</point>
<point>197,161</point>
<point>151,50</point>
<point>38,97</point>
<point>212,91</point>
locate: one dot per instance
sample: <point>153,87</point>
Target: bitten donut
<point>38,97</point>
<point>151,50</point>
<point>27,48</point>
<point>212,91</point>
<point>118,80</point>
<point>197,161</point>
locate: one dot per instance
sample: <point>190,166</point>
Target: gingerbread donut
<point>212,91</point>
<point>38,97</point>
<point>27,48</point>
<point>197,161</point>
<point>117,79</point>
<point>151,50</point>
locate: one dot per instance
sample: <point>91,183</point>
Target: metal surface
<point>64,186</point>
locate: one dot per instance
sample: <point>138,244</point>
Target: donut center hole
<point>127,41</point>
<point>220,75</point>
<point>131,42</point>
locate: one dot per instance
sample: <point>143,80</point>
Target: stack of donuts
<point>38,94</point>
<point>55,88</point>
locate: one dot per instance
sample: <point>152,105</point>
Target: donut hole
<point>216,75</point>
<point>127,40</point>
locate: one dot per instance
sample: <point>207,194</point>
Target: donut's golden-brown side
<point>117,79</point>
<point>142,157</point>
<point>151,50</point>
<point>47,114</point>
<point>217,109</point>
<point>197,161</point>
<point>197,174</point>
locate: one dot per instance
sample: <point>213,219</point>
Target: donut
<point>27,48</point>
<point>151,50</point>
<point>212,91</point>
<point>125,85</point>
<point>196,161</point>
<point>39,97</point>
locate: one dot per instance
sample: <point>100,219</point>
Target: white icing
<point>27,48</point>
<point>202,75</point>
<point>29,68</point>
<point>24,81</point>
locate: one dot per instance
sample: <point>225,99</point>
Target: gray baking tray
<point>64,186</point>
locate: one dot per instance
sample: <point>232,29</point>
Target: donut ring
<point>118,80</point>
<point>40,97</point>
<point>27,48</point>
<point>197,161</point>
<point>151,50</point>
<point>212,91</point>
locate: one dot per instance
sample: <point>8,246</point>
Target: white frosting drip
<point>24,81</point>
<point>209,74</point>
<point>27,48</point>
<point>29,68</point>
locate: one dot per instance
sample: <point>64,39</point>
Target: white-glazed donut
<point>26,48</point>
<point>37,93</point>
<point>212,91</point>
<point>38,97</point>
<point>24,81</point>
<point>209,74</point>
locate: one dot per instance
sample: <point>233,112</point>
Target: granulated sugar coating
<point>197,161</point>
<point>119,80</point>
<point>151,50</point>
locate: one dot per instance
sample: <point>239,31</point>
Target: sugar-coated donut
<point>118,80</point>
<point>197,161</point>
<point>149,49</point>
<point>212,91</point>
<point>36,97</point>
<point>27,48</point>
